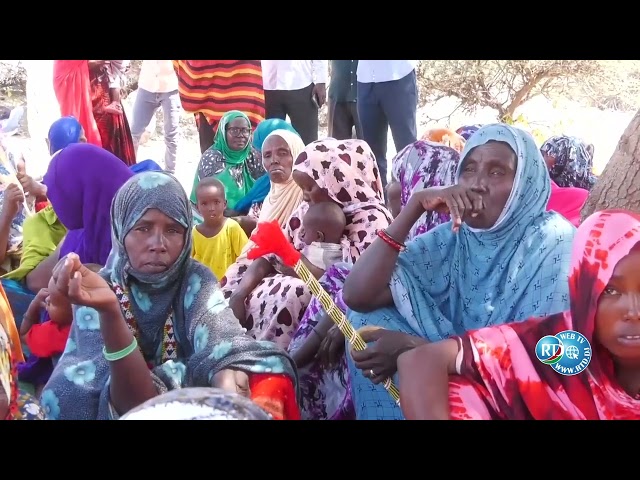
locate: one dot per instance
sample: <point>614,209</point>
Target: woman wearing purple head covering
<point>81,182</point>
<point>467,130</point>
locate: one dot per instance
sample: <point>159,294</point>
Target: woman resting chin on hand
<point>155,320</point>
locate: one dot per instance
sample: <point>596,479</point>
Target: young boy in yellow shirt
<point>217,241</point>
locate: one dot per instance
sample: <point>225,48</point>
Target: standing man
<point>387,97</point>
<point>342,108</point>
<point>158,87</point>
<point>296,88</point>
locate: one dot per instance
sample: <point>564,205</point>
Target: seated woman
<point>154,320</point>
<point>324,379</point>
<point>81,182</point>
<point>272,300</point>
<point>43,231</point>
<point>495,371</point>
<point>446,137</point>
<point>64,131</point>
<point>252,202</point>
<point>570,162</point>
<point>279,150</point>
<point>232,160</point>
<point>502,258</point>
<point>14,405</point>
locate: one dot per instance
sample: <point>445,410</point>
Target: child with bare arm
<point>46,339</point>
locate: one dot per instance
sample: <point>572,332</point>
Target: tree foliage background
<point>506,85</point>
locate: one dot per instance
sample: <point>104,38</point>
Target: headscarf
<point>446,137</point>
<point>518,385</point>
<point>81,181</point>
<point>209,337</point>
<point>236,176</point>
<point>573,165</point>
<point>268,126</point>
<point>468,130</point>
<point>197,404</point>
<point>423,165</point>
<point>145,166</point>
<point>347,170</point>
<point>283,198</point>
<point>568,202</point>
<point>63,132</point>
<point>509,272</point>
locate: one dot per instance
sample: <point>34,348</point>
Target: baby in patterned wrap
<point>323,232</point>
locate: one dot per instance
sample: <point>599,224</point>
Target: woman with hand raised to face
<point>155,320</point>
<point>501,258</point>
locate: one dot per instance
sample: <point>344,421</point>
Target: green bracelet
<point>115,356</point>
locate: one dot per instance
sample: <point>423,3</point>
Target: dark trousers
<point>300,108</point>
<point>388,104</point>
<point>206,132</point>
<point>342,117</point>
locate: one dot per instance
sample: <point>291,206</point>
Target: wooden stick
<point>339,319</point>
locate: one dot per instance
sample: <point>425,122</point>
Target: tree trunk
<point>619,184</point>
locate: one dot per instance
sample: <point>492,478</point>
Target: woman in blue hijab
<point>145,166</point>
<point>63,132</point>
<point>502,258</point>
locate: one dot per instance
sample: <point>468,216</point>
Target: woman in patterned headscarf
<point>271,300</point>
<point>570,162</point>
<point>424,165</point>
<point>502,258</point>
<point>155,320</point>
<point>324,382</point>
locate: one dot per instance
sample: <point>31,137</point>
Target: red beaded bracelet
<point>392,242</point>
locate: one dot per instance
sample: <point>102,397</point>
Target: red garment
<point>275,394</point>
<point>500,375</point>
<point>567,201</point>
<point>114,129</point>
<point>41,205</point>
<point>72,86</point>
<point>47,339</point>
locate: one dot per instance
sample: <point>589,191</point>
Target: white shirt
<point>376,71</point>
<point>293,74</point>
<point>158,76</point>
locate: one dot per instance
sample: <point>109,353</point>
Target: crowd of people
<point>125,296</point>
